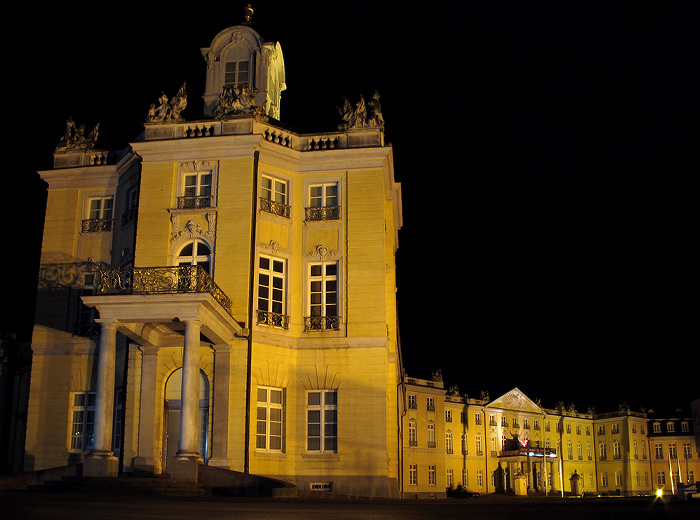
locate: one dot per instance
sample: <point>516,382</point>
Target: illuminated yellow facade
<point>222,294</point>
<point>513,444</point>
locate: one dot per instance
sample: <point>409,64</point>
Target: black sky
<point>544,151</point>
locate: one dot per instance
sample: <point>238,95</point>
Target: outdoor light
<point>659,493</point>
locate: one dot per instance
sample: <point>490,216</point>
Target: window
<point>430,404</point>
<point>322,421</point>
<point>617,450</point>
<point>237,73</point>
<point>479,446</point>
<point>670,427</point>
<point>273,196</point>
<point>323,202</point>
<point>465,448</point>
<point>657,427</point>
<point>659,450</point>
<point>322,297</point>
<point>431,475</point>
<point>672,450</point>
<point>601,430</point>
<point>685,427</point>
<point>448,443</point>
<point>130,204</point>
<point>431,435</point>
<point>197,190</point>
<point>448,415</point>
<point>195,253</point>
<point>687,452</point>
<point>603,451</point>
<point>480,478</point>
<point>412,401</point>
<point>412,433</point>
<point>477,418</point>
<point>661,478</point>
<point>82,421</point>
<point>99,215</point>
<point>85,317</point>
<point>270,419</point>
<point>271,292</point>
<point>413,474</point>
<point>450,478</point>
<point>604,479</point>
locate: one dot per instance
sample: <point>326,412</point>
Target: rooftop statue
<point>237,101</point>
<point>168,110</point>
<point>356,117</point>
<point>75,138</point>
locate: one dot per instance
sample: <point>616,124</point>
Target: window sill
<point>326,457</point>
<point>271,454</point>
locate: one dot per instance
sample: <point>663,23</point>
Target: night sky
<point>544,151</point>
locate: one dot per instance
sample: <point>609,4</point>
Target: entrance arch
<point>171,422</point>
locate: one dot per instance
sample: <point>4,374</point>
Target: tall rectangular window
<point>274,196</point>
<point>270,419</point>
<point>431,475</point>
<point>322,297</point>
<point>82,421</point>
<point>323,202</point>
<point>196,190</point>
<point>413,474</point>
<point>322,421</point>
<point>412,433</point>
<point>431,435</point>
<point>99,215</point>
<point>272,292</point>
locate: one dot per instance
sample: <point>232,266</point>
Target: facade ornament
<point>238,101</point>
<point>75,138</point>
<point>437,376</point>
<point>322,253</point>
<point>454,391</point>
<point>168,110</point>
<point>484,396</point>
<point>356,117</point>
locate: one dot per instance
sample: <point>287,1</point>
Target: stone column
<point>220,433</point>
<point>101,462</point>
<point>189,413</point>
<point>149,458</point>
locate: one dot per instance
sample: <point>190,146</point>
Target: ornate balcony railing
<point>273,319</point>
<point>323,213</point>
<point>161,280</point>
<point>96,225</point>
<point>274,207</point>
<point>194,202</point>
<point>312,323</point>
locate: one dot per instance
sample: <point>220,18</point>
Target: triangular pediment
<point>515,400</point>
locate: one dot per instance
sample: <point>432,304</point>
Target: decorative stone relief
<point>323,253</point>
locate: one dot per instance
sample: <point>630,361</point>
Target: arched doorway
<point>171,429</point>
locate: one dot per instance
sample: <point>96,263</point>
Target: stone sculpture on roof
<point>75,138</point>
<point>356,117</point>
<point>168,109</point>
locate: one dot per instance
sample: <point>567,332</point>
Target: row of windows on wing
<point>321,420</point>
<point>197,193</point>
<point>449,481</point>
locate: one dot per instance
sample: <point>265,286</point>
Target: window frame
<point>100,218</point>
<point>323,206</point>
<point>272,200</point>
<point>267,406</point>
<point>81,433</point>
<point>274,294</point>
<point>320,302</point>
<point>324,422</point>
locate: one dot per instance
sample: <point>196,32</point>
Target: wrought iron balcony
<point>312,323</point>
<point>96,225</point>
<point>274,207</point>
<point>272,319</point>
<point>194,202</point>
<point>323,213</point>
<point>161,280</point>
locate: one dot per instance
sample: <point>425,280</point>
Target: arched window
<point>195,252</point>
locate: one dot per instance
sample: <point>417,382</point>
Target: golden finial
<point>247,14</point>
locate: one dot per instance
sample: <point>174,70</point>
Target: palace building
<point>514,444</point>
<point>221,294</point>
<point>219,298</point>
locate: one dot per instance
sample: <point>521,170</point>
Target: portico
<point>161,317</point>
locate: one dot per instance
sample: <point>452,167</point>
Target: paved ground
<point>68,506</point>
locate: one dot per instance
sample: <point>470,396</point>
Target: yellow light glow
<point>659,493</point>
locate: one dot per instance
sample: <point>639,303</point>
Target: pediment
<point>515,400</point>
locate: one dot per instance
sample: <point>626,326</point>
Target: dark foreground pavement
<point>69,506</point>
